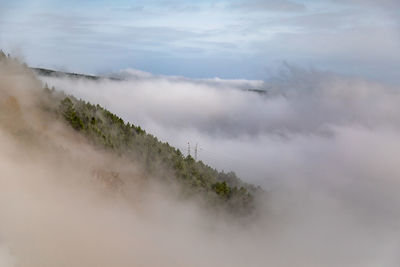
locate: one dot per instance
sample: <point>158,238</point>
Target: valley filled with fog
<point>323,146</point>
<point>207,133</point>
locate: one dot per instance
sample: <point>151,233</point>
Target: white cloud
<point>270,6</point>
<point>384,4</point>
<point>221,117</point>
<point>325,148</point>
<point>209,38</point>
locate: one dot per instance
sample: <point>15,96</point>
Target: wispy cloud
<point>385,4</point>
<point>221,115</point>
<point>211,38</point>
<point>323,145</point>
<point>269,6</point>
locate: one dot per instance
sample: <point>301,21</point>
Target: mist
<point>303,112</point>
<point>324,148</point>
<point>54,211</point>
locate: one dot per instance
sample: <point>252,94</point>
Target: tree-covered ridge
<point>46,72</point>
<point>61,74</point>
<point>106,130</point>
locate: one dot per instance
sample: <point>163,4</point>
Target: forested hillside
<point>106,131</point>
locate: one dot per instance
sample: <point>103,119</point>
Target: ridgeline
<point>107,131</point>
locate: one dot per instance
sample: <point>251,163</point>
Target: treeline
<point>108,131</point>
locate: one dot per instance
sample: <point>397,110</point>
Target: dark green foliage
<point>222,189</point>
<point>67,109</point>
<point>107,131</point>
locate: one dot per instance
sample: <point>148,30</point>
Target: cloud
<point>269,6</point>
<point>324,147</point>
<point>385,4</point>
<point>231,40</point>
<point>220,115</point>
<point>54,210</point>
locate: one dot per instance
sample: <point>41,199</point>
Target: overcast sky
<point>208,38</point>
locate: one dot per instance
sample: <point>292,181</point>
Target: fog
<point>301,119</point>
<point>55,212</point>
<point>324,147</point>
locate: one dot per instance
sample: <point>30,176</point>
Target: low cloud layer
<point>323,146</point>
<point>231,124</point>
<point>56,209</point>
<point>328,163</point>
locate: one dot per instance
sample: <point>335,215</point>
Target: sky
<point>248,39</point>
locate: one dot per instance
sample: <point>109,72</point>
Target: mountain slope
<point>106,131</point>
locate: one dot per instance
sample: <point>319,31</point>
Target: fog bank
<point>324,147</point>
